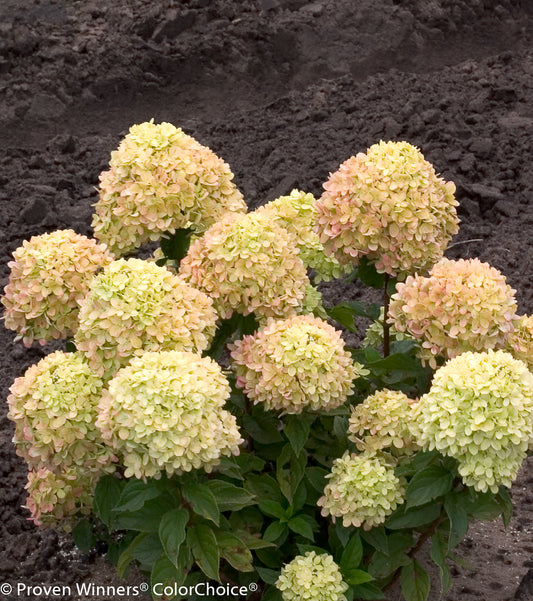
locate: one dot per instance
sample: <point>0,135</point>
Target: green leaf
<point>383,565</point>
<point>135,494</point>
<point>148,517</point>
<point>368,590</point>
<point>367,273</point>
<point>352,554</point>
<point>274,532</point>
<point>83,536</point>
<point>420,461</point>
<point>376,538</point>
<point>175,245</point>
<point>272,594</point>
<point>253,542</point>
<point>355,576</point>
<point>106,497</point>
<point>415,582</point>
<point>172,532</point>
<point>301,526</point>
<point>272,509</point>
<point>143,548</point>
<point>343,314</point>
<point>230,497</point>
<point>267,575</point>
<point>317,477</point>
<point>165,573</point>
<point>438,555</point>
<point>297,428</point>
<point>234,551</point>
<point>428,484</point>
<point>506,504</point>
<point>262,429</point>
<point>343,534</point>
<point>413,517</point>
<point>483,506</point>
<point>289,479</point>
<point>454,505</point>
<point>203,544</point>
<point>203,501</point>
<point>263,487</point>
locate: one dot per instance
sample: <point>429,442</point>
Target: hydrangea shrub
<point>212,424</point>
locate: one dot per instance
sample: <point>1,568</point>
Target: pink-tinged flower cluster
<point>135,306</point>
<point>479,410</point>
<point>57,499</point>
<point>463,305</point>
<point>520,341</point>
<point>295,364</point>
<point>362,490</point>
<point>49,275</point>
<point>297,214</point>
<point>160,180</point>
<point>390,206</point>
<point>247,264</point>
<point>382,421</point>
<point>164,413</point>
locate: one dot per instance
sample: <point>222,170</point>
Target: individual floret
<point>161,180</point>
<point>363,490</point>
<point>390,206</point>
<point>249,265</point>
<point>479,410</point>
<point>463,305</point>
<point>382,421</point>
<point>312,577</point>
<point>49,275</point>
<point>135,306</point>
<point>163,413</point>
<point>295,364</point>
<point>520,341</point>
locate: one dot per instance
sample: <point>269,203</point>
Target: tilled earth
<point>284,91</point>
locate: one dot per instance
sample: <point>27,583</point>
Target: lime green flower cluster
<point>374,333</point>
<point>134,306</point>
<point>382,421</point>
<point>295,364</point>
<point>247,264</point>
<point>479,410</point>
<point>160,180</point>
<point>463,305</point>
<point>363,490</point>
<point>520,341</point>
<point>297,213</point>
<point>390,206</point>
<point>54,408</point>
<point>163,413</point>
<point>50,274</point>
<point>312,577</point>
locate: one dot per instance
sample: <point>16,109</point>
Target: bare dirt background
<point>283,90</point>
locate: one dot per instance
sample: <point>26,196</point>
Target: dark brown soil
<point>284,91</point>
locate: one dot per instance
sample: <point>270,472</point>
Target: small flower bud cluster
<point>520,341</point>
<point>479,410</point>
<point>135,306</point>
<point>312,577</point>
<point>247,264</point>
<point>295,364</point>
<point>161,180</point>
<point>163,413</point>
<point>382,421</point>
<point>50,274</point>
<point>363,490</point>
<point>390,206</point>
<point>463,305</point>
<point>374,333</point>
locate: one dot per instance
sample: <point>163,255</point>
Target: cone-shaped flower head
<point>160,180</point>
<point>294,364</point>
<point>247,264</point>
<point>49,275</point>
<point>382,421</point>
<point>312,577</point>
<point>363,490</point>
<point>463,305</point>
<point>479,410</point>
<point>520,341</point>
<point>54,410</point>
<point>57,499</point>
<point>297,214</point>
<point>163,413</point>
<point>135,306</point>
<point>390,206</point>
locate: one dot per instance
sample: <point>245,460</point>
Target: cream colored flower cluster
<point>247,264</point>
<point>363,490</point>
<point>295,364</point>
<point>296,212</point>
<point>463,305</point>
<point>520,341</point>
<point>54,408</point>
<point>135,306</point>
<point>390,206</point>
<point>479,410</point>
<point>382,421</point>
<point>160,180</point>
<point>49,275</point>
<point>312,577</point>
<point>163,413</point>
